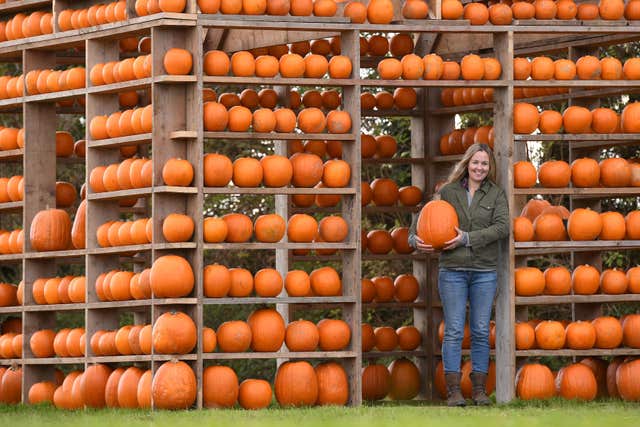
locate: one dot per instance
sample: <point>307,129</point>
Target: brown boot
<point>478,381</point>
<point>454,396</point>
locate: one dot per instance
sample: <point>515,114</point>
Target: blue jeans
<point>456,287</point>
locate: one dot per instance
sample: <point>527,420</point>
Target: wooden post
<point>351,212</point>
<point>505,303</point>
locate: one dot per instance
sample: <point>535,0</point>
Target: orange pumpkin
<point>437,222</point>
<point>584,224</point>
<point>529,281</point>
<point>174,386</point>
<point>296,384</point>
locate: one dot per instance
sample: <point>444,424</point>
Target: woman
<point>468,266</point>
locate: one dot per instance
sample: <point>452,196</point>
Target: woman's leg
<point>482,291</point>
<point>453,289</point>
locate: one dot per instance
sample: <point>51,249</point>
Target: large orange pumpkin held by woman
<point>437,223</point>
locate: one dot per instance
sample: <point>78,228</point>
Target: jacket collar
<point>461,195</point>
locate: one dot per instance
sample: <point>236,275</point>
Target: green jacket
<point>486,221</point>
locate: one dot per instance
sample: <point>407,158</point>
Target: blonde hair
<point>461,169</point>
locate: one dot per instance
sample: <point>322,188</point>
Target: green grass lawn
<point>543,414</point>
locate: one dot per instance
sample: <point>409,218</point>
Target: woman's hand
<point>455,242</point>
<point>421,246</point>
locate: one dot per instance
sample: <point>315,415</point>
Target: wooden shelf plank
<point>575,83</point>
<point>395,354</point>
<point>424,26</point>
<point>392,113</point>
<point>140,248</point>
<point>273,136</point>
<point>394,161</point>
<point>281,355</point>
<point>278,190</point>
<point>394,305</point>
<point>539,248</point>
<point>605,137</point>
<point>141,192</point>
<point>274,246</point>
<point>578,299</point>
<point>144,138</point>
<point>173,79</point>
<point>143,304</point>
<point>11,207</point>
<point>220,20</point>
<point>54,96</point>
<point>55,254</point>
<point>582,193</point>
<point>120,86</point>
<point>390,209</point>
<point>433,83</point>
<point>277,81</point>
<point>121,194</point>
<point>11,309</point>
<point>447,159</point>
<point>365,257</point>
<point>279,300</point>
<point>19,6</point>
<point>11,154</point>
<point>54,307</point>
<point>596,192</point>
<point>183,134</point>
<point>570,353</point>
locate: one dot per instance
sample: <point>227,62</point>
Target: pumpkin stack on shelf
<point>303,150</point>
<point>577,283</point>
<point>394,328</point>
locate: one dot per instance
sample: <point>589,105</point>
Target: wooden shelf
<point>141,192</point>
<point>273,246</point>
<point>595,192</point>
<point>11,309</point>
<point>11,154</point>
<point>390,209</point>
<point>281,355</point>
<point>576,83</point>
<point>144,138</point>
<point>394,305</point>
<point>23,5</point>
<point>392,113</point>
<point>106,359</point>
<point>9,207</point>
<point>447,159</point>
<point>144,304</point>
<point>120,86</point>
<point>278,190</point>
<point>542,248</point>
<point>571,353</point>
<point>604,137</point>
<point>422,25</point>
<point>277,81</point>
<point>55,254</point>
<point>395,354</point>
<point>365,257</point>
<point>140,248</point>
<point>393,161</point>
<point>54,307</point>
<point>432,83</point>
<point>273,136</point>
<point>279,300</point>
<point>577,299</point>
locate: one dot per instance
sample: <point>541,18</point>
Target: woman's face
<point>478,166</point>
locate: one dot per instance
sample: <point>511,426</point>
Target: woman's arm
<point>499,228</point>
